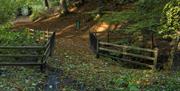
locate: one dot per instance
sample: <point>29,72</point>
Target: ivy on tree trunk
<point>174,45</point>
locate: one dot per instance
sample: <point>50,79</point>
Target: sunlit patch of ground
<point>100,27</point>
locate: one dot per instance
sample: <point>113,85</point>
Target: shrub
<point>171,19</point>
<point>7,10</point>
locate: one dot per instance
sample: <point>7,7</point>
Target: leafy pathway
<point>82,71</point>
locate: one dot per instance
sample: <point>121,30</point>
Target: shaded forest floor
<point>82,71</point>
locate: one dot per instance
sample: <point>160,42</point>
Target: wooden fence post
<point>108,37</point>
<point>52,43</point>
<point>156,58</point>
<point>46,3</point>
<point>97,48</point>
<point>78,25</point>
<point>42,66</point>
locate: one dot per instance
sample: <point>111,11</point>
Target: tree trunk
<point>46,3</point>
<point>101,6</point>
<point>82,1</point>
<point>64,7</point>
<point>173,50</point>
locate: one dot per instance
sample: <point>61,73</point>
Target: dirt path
<point>72,45</point>
<point>73,56</point>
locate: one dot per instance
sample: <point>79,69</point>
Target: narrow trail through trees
<point>73,55</point>
<point>70,41</point>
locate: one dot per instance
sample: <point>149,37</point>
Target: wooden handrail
<point>10,55</point>
<point>47,50</point>
<point>128,47</point>
<point>27,47</point>
<point>22,47</point>
<point>20,64</point>
<point>129,54</point>
<point>48,43</point>
<point>126,60</point>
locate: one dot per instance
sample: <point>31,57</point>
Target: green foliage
<point>38,11</point>
<point>124,1</point>
<point>171,19</point>
<point>7,10</point>
<point>146,16</point>
<point>20,79</point>
<point>21,37</point>
<point>29,2</point>
<point>38,7</point>
<point>167,82</point>
<point>147,6</point>
<point>149,13</point>
<point>145,22</point>
<point>147,81</point>
<point>126,83</point>
<point>118,17</point>
<point>54,2</point>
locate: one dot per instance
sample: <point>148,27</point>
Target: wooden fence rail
<point>99,48</point>
<point>40,58</point>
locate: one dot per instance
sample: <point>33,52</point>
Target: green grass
<point>118,17</point>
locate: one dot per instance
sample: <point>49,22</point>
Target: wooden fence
<point>39,54</point>
<point>126,52</point>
